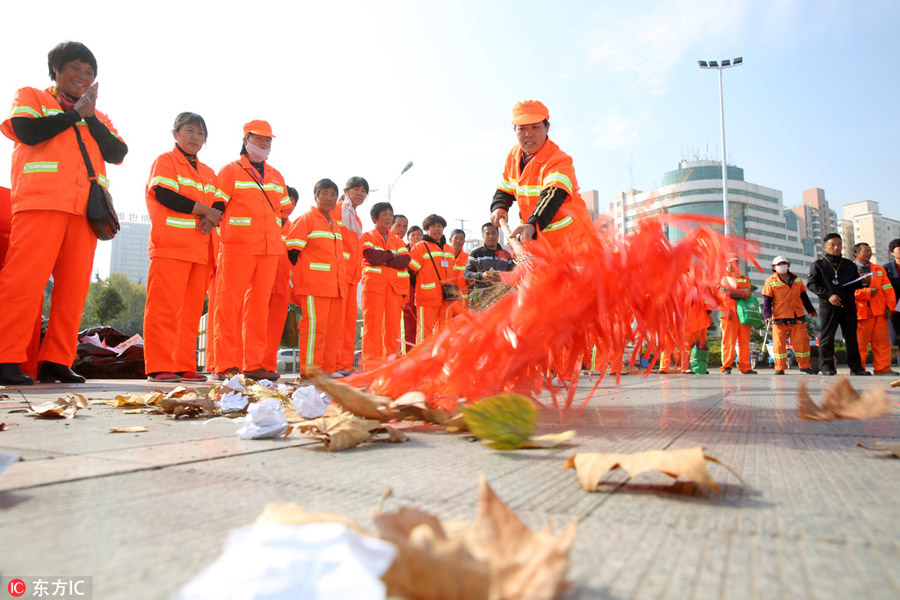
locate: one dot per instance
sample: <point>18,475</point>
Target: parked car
<point>288,360</point>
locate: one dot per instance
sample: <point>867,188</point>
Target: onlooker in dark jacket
<point>486,263</point>
<point>893,272</point>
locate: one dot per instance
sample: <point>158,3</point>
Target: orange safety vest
<point>174,234</point>
<point>252,220</point>
<point>377,278</point>
<point>318,270</point>
<point>429,279</point>
<point>877,304</point>
<point>52,175</point>
<point>352,248</point>
<point>787,302</point>
<point>549,167</point>
<point>459,269</point>
<point>735,281</point>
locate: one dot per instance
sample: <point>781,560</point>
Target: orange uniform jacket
<point>52,175</point>
<point>318,270</point>
<point>867,299</point>
<point>787,301</point>
<point>252,220</point>
<point>728,305</point>
<point>549,167</point>
<point>429,280</point>
<point>377,278</point>
<point>459,269</point>
<point>352,247</point>
<point>174,234</point>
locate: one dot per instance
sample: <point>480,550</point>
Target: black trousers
<point>833,317</point>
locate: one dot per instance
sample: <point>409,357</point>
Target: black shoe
<point>888,372</point>
<point>809,371</point>
<point>860,373</point>
<point>751,372</point>
<point>828,372</point>
<point>12,374</point>
<point>51,372</point>
<point>779,372</point>
<point>727,370</point>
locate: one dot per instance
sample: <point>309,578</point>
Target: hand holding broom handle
<point>514,243</point>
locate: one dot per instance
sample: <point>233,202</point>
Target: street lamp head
<point>407,167</point>
<point>726,63</point>
<point>739,60</point>
<point>702,64</point>
<point>714,64</point>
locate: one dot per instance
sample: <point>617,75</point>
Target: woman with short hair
<point>431,260</point>
<point>50,232</point>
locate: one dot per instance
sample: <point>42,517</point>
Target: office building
<point>871,227</point>
<point>130,248</point>
<point>755,211</point>
<point>815,218</point>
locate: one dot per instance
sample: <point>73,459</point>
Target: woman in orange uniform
<point>541,178</point>
<point>185,206</point>
<point>316,250</point>
<point>785,303</point>
<point>431,260</point>
<point>355,192</point>
<point>50,234</point>
<point>250,246</point>
<point>385,284</point>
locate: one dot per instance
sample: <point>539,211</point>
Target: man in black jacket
<point>834,279</point>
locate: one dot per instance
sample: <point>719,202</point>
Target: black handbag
<point>450,291</point>
<point>101,214</point>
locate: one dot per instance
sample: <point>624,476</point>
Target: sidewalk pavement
<point>142,513</point>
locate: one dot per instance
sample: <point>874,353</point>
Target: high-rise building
<point>871,227</point>
<point>845,228</point>
<point>755,212</point>
<point>815,218</point>
<point>592,200</point>
<point>130,248</point>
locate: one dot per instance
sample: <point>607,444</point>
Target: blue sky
<point>363,87</point>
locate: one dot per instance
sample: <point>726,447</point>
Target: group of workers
<point>856,295</point>
<point>226,239</point>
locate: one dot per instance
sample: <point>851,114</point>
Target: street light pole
<point>391,187</point>
<point>725,64</point>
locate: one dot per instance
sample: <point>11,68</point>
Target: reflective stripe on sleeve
<point>181,223</point>
<point>165,182</point>
<point>565,222</point>
<point>552,178</point>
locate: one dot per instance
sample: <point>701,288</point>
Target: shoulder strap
<point>87,160</point>
<point>436,272</point>
<point>260,189</point>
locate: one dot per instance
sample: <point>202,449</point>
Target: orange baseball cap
<point>258,127</point>
<point>528,112</point>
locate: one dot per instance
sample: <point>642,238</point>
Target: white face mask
<point>781,269</point>
<point>256,153</point>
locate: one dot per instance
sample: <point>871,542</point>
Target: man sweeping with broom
<point>541,178</point>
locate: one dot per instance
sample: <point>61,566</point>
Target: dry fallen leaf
<point>891,447</point>
<point>127,429</point>
<point>187,405</point>
<point>841,401</point>
<point>340,432</point>
<point>686,462</point>
<point>64,407</point>
<point>395,435</point>
<point>550,440</point>
<point>288,513</point>
<point>130,400</point>
<point>414,405</point>
<point>351,399</point>
<point>429,564</point>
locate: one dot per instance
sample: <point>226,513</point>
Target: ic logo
<point>16,588</point>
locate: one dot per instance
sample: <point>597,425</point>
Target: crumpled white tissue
<point>265,419</point>
<point>234,383</point>
<point>233,402</point>
<point>308,403</point>
<point>317,561</point>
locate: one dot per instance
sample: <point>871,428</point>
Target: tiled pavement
<point>141,513</point>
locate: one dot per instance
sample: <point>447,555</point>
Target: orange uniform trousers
<point>44,243</point>
<point>243,288</point>
<point>278,311</point>
<point>694,338</point>
<point>733,331</point>
<point>382,314</point>
<point>211,325</point>
<point>322,316</point>
<point>175,293</point>
<point>799,340</point>
<point>429,319</point>
<point>350,307</point>
<point>874,331</point>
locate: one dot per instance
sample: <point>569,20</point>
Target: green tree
<point>109,305</point>
<point>129,319</point>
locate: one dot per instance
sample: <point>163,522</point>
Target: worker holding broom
<point>541,178</point>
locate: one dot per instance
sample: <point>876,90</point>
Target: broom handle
<point>514,243</point>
